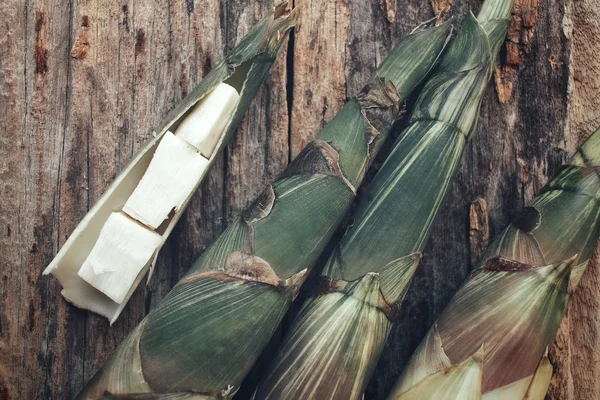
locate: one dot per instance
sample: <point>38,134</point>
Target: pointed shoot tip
<point>479,355</point>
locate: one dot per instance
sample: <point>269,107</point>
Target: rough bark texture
<point>82,83</point>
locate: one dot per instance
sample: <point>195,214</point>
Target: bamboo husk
<point>211,328</point>
<point>245,68</point>
<point>513,303</point>
<point>335,342</point>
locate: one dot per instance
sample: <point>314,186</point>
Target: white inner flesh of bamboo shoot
<point>204,126</point>
<point>125,246</point>
<point>176,167</point>
<point>170,178</point>
<point>121,251</point>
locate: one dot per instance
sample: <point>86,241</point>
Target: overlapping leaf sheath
<point>213,325</point>
<point>335,342</point>
<point>244,69</point>
<point>513,303</point>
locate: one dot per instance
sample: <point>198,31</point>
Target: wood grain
<point>82,84</point>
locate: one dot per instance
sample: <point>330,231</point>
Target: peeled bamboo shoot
<point>206,123</point>
<point>157,185</point>
<point>175,170</point>
<point>123,248</point>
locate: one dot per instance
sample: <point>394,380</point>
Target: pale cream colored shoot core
<point>205,124</point>
<point>170,179</point>
<point>176,167</point>
<point>123,248</point>
<point>129,239</point>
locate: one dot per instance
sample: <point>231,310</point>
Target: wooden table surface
<point>83,82</point>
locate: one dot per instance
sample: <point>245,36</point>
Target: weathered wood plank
<point>319,48</point>
<point>13,166</point>
<point>83,83</point>
<point>34,87</point>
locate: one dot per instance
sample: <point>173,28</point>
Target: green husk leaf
<point>513,304</point>
<point>123,370</point>
<point>245,69</point>
<point>395,277</point>
<point>352,310</point>
<point>151,396</point>
<point>541,380</point>
<point>494,10</point>
<point>503,307</point>
<point>211,328</point>
<point>530,388</point>
<point>589,153</point>
<point>319,202</point>
<point>506,311</point>
<point>353,138</point>
<point>422,164</point>
<point>391,226</point>
<point>462,381</point>
<point>201,314</point>
<point>470,49</point>
<point>542,234</point>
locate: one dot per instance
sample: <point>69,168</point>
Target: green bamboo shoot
<point>336,340</point>
<point>512,304</point>
<point>211,328</point>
